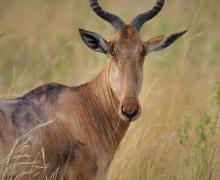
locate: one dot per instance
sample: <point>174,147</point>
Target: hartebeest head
<point>126,54</point>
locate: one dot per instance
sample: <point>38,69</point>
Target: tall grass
<point>22,163</point>
<point>39,43</point>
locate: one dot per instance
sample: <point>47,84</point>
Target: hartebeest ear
<point>94,41</point>
<point>162,42</point>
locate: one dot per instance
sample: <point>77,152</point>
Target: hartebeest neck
<point>108,126</point>
<point>109,103</point>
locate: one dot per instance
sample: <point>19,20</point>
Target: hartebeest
<point>88,121</point>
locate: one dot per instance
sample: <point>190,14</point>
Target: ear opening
<point>94,41</point>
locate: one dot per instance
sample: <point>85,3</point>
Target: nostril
<point>130,114</point>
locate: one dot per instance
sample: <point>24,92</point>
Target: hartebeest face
<point>126,58</point>
<point>126,53</point>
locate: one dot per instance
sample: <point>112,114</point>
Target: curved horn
<point>140,19</point>
<point>114,20</point>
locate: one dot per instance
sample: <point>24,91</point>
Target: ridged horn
<point>114,20</point>
<point>140,19</point>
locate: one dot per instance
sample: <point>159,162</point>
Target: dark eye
<point>112,51</point>
<point>113,54</point>
<point>143,51</point>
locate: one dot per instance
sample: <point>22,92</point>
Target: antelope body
<point>88,122</point>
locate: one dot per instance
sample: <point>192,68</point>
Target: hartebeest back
<point>88,121</point>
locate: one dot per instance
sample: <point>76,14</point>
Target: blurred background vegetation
<point>177,134</point>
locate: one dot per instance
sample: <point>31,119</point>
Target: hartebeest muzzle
<point>129,109</point>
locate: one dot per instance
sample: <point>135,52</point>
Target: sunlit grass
<point>41,44</point>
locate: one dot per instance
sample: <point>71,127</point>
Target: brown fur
<point>87,126</point>
<point>156,40</point>
<point>85,132</point>
<point>78,129</point>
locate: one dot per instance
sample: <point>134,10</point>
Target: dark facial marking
<point>94,169</point>
<point>128,33</point>
<point>125,34</point>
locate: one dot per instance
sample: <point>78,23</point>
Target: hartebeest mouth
<point>126,54</point>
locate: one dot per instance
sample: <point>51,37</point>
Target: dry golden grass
<point>39,43</point>
<point>21,164</point>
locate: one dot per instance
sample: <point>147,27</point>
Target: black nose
<point>130,113</point>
